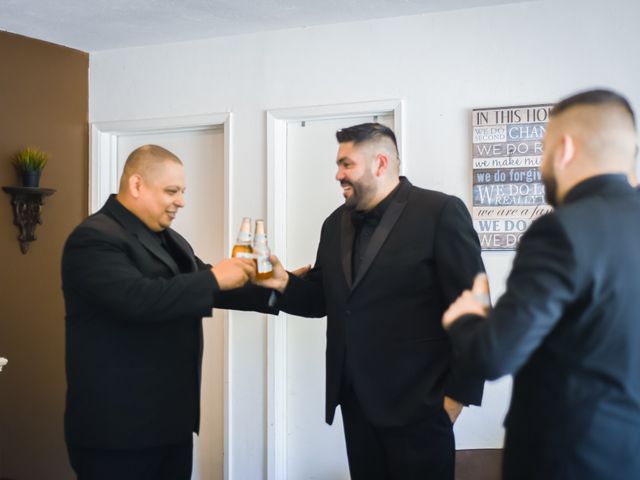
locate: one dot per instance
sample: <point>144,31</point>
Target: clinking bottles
<point>242,248</point>
<point>261,252</point>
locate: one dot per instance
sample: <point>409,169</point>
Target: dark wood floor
<point>483,464</point>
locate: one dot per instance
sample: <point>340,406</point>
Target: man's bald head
<point>145,161</point>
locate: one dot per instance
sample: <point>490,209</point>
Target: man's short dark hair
<point>365,132</point>
<point>594,97</point>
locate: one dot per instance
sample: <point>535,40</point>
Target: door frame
<point>277,121</point>
<point>103,180</point>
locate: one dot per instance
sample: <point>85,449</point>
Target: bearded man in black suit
<point>389,262</point>
<point>568,325</point>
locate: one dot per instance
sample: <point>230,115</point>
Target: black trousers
<point>172,462</point>
<point>421,451</point>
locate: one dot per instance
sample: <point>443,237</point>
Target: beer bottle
<point>242,248</point>
<point>261,252</point>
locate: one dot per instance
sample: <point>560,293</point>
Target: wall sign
<point>508,193</point>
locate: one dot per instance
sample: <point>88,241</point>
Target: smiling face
<point>152,186</point>
<point>160,194</point>
<point>356,176</point>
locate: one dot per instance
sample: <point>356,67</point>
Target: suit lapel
<point>180,245</point>
<point>134,226</point>
<point>154,246</point>
<point>383,230</point>
<point>346,244</point>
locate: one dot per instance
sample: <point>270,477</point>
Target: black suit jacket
<point>134,332</point>
<point>384,326</point>
<point>568,327</point>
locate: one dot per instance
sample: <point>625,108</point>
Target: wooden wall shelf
<point>27,205</point>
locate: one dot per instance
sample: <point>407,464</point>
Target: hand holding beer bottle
<point>280,277</point>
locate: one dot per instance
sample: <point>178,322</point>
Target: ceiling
<point>92,25</point>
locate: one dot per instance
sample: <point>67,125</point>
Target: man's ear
<point>567,151</point>
<point>381,163</point>
<point>135,185</point>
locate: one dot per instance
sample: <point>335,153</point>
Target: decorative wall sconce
<point>27,204</point>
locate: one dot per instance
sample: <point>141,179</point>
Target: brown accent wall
<point>43,103</point>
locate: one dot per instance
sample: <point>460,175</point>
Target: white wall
<point>441,65</point>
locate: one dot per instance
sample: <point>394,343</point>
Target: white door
<point>314,449</point>
<point>201,222</point>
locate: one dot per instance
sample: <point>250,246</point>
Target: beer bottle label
<point>244,255</point>
<point>263,265</point>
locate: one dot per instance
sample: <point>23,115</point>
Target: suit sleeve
<point>541,285</point>
<point>250,298</point>
<point>458,260</point>
<point>304,296</point>
<point>97,269</point>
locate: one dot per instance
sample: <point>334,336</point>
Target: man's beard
<point>550,190</point>
<point>351,201</point>
<point>361,193</point>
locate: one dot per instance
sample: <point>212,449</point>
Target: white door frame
<point>277,197</point>
<point>103,180</point>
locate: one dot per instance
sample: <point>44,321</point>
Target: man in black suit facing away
<point>389,262</point>
<point>135,295</point>
<point>568,325</point>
